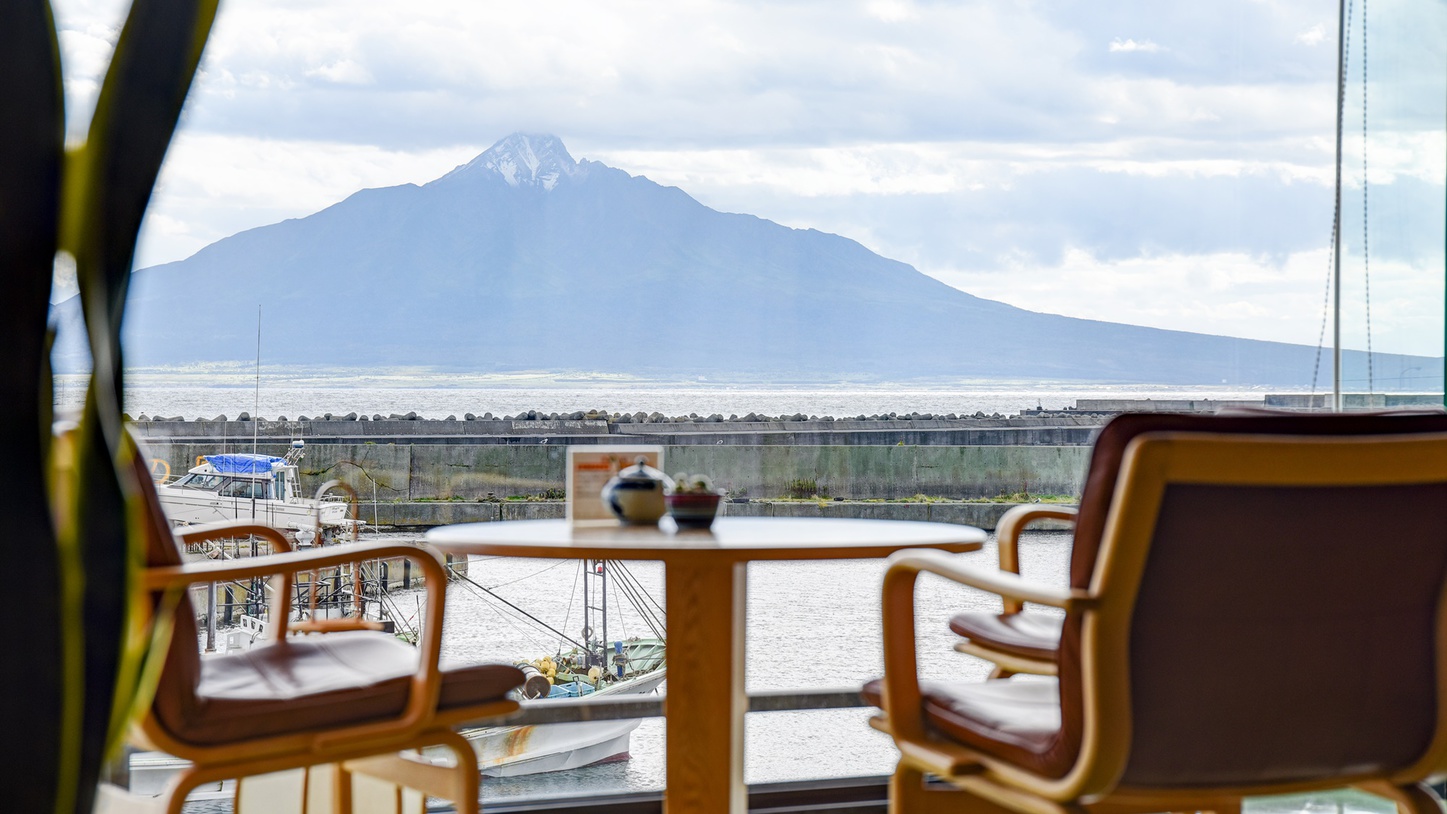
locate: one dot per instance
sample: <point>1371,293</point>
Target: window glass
<point>199,480</point>
<point>893,259</point>
<point>237,487</point>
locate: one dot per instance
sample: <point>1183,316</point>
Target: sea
<point>296,393</point>
<point>811,625</point>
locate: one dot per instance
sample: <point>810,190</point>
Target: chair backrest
<point>1098,501</point>
<point>175,697</point>
<point>1276,604</point>
<point>1110,445</point>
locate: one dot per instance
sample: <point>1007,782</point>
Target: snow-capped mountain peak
<point>525,160</point>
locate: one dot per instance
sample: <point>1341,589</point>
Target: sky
<point>1161,164</point>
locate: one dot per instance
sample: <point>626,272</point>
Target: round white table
<point>705,585</point>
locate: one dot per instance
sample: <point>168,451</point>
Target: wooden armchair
<point>352,698</point>
<point>1021,641</point>
<point>1266,615</point>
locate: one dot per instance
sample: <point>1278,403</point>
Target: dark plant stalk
<point>34,681</point>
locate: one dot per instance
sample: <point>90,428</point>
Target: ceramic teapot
<point>635,494</point>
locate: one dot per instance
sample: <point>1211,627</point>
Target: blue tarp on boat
<point>572,689</point>
<point>243,463</point>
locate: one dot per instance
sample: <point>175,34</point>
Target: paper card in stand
<point>590,468</point>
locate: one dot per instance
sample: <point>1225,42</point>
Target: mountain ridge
<point>526,259</point>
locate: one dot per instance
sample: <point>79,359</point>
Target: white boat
<point>248,486</point>
<point>597,664</point>
<point>509,751</point>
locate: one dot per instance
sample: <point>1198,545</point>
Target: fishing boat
<point>509,751</point>
<point>248,486</point>
<point>597,665</point>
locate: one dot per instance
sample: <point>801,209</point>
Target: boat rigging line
<point>639,586</point>
<point>629,585</point>
<point>510,618</point>
<point>489,592</point>
<point>530,576</point>
<point>572,597</point>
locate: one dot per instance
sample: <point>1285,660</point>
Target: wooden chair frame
<point>1007,533</point>
<point>1152,461</point>
<point>370,748</point>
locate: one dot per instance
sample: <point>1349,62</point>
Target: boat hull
<point>190,506</point>
<point>510,751</point>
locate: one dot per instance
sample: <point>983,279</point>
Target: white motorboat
<point>248,486</point>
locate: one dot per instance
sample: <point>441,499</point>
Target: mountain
<point>526,259</point>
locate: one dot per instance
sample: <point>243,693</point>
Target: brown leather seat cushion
<point>1012,719</point>
<point>1033,635</point>
<point>314,683</point>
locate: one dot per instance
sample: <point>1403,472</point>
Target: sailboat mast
<point>256,415</point>
<point>1341,46</point>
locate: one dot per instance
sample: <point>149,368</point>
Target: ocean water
<point>292,395</point>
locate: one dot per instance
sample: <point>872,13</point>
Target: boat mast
<point>595,569</point>
<point>258,405</point>
<point>1341,46</point>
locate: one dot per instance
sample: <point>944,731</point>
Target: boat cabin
<point>243,475</point>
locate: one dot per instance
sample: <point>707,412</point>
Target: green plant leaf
<point>107,186</point>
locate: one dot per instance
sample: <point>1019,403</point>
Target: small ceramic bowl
<point>692,510</point>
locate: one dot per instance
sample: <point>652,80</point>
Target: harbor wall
<point>401,460</point>
<point>429,514</point>
<point>1056,429</point>
<point>391,472</point>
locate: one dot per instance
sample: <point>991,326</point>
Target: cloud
<point>1230,293</point>
<point>213,186</point>
<point>1312,36</point>
<point>343,72</point>
<point>1118,46</point>
<point>746,74</point>
<point>978,140</point>
<point>892,11</point>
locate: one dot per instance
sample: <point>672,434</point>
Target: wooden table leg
<point>705,703</point>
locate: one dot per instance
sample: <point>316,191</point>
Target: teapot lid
<point>640,471</point>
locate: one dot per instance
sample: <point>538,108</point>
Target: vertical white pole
<point>1341,45</point>
<point>256,407</point>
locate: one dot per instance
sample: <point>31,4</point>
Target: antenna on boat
<point>256,416</point>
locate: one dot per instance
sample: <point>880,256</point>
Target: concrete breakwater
<point>469,461</point>
<point>430,514</point>
<point>1067,430</point>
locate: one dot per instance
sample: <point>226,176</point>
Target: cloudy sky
<point>1164,164</point>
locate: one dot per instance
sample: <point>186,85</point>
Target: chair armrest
<point>902,699</point>
<point>1003,583</point>
<point>1007,534</point>
<point>426,683</point>
<point>229,529</point>
<point>161,578</point>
